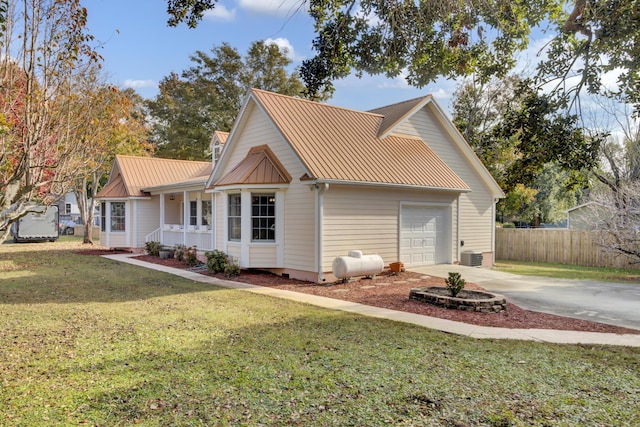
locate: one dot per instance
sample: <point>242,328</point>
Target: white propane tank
<point>357,264</point>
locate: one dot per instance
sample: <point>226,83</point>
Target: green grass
<point>564,271</point>
<point>85,340</point>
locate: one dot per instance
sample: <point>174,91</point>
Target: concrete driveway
<point>605,302</point>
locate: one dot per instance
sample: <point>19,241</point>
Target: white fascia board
<point>385,185</point>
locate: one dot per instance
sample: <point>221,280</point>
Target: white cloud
<point>528,60</point>
<point>220,13</point>
<point>285,46</point>
<point>398,82</point>
<point>275,7</point>
<point>138,84</point>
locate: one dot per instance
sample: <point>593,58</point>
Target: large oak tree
<point>428,39</point>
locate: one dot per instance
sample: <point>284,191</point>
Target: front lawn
<point>88,341</point>
<point>564,271</point>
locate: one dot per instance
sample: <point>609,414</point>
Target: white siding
<point>263,256</point>
<point>367,219</point>
<point>148,219</point>
<point>117,240</point>
<point>476,207</point>
<point>299,201</point>
<point>233,250</point>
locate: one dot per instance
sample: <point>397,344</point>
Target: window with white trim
<point>193,212</point>
<point>103,216</point>
<point>117,216</point>
<point>263,217</point>
<point>206,213</point>
<point>234,215</point>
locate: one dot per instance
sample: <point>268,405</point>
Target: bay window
<point>263,217</point>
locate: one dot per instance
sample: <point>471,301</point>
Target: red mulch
<point>392,291</point>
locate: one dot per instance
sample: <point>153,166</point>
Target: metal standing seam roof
<point>135,173</point>
<point>338,144</point>
<point>222,136</point>
<point>260,166</point>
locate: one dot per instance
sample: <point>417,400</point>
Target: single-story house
<point>297,183</point>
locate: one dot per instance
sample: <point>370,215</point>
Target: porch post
<point>185,214</point>
<point>161,217</point>
<point>214,218</point>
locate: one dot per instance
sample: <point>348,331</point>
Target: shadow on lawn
<point>325,368</point>
<point>35,276</point>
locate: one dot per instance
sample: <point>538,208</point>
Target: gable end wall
<point>299,206</point>
<point>476,207</point>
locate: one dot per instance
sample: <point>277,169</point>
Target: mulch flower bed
<point>390,290</point>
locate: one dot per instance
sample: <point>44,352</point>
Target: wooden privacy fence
<point>563,246</point>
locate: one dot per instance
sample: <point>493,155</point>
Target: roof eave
<point>267,186</point>
<point>176,186</point>
<point>385,185</point>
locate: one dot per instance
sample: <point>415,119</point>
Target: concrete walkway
<point>473,331</point>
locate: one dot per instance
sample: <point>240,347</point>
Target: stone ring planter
<point>478,301</point>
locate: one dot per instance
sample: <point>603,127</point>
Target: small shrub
<point>191,255</point>
<point>179,251</point>
<point>508,225</point>
<point>232,270</point>
<point>153,248</point>
<point>455,283</point>
<point>217,261</point>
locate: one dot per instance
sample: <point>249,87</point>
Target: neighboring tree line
<point>208,96</point>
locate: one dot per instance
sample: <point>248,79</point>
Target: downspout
<point>319,236</point>
<point>493,231</point>
<point>458,240</point>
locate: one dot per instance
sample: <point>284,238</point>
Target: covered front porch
<point>186,218</point>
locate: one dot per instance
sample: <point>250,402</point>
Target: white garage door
<point>424,235</point>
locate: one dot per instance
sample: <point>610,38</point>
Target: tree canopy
<point>425,40</point>
<point>208,96</point>
<point>533,148</point>
<point>105,121</point>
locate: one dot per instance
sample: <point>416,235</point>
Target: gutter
<point>319,182</point>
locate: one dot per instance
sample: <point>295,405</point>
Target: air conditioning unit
<point>471,258</point>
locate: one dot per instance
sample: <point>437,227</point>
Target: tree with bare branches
<point>44,46</point>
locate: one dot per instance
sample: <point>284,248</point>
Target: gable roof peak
<point>395,113</point>
<point>409,102</point>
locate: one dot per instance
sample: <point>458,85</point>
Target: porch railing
<point>173,235</point>
<point>154,236</point>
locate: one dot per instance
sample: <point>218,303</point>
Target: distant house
<point>586,216</point>
<point>297,183</point>
<point>68,205</point>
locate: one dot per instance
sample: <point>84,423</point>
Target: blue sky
<point>139,49</point>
